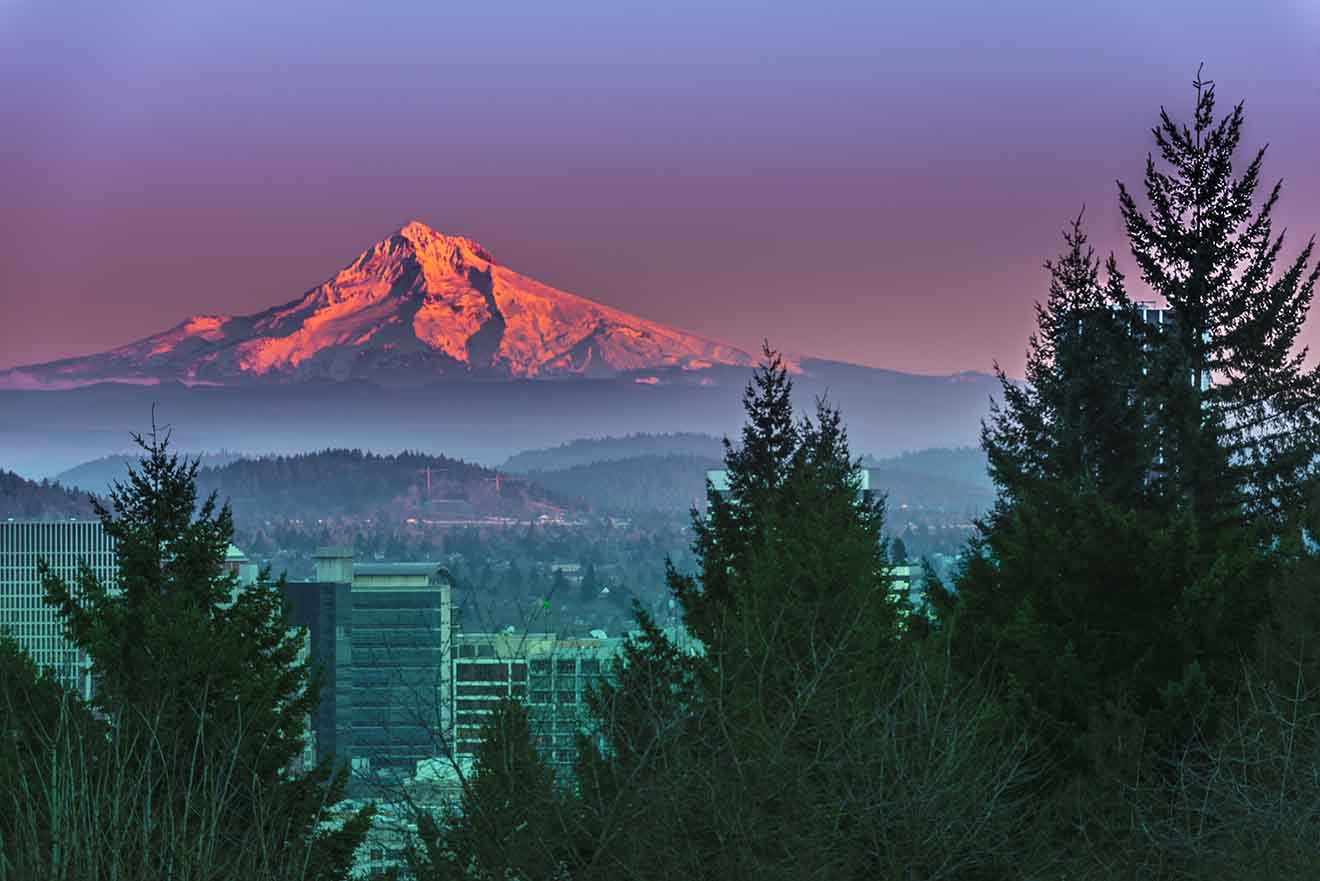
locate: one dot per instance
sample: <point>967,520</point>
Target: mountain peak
<point>414,307</point>
<point>424,239</point>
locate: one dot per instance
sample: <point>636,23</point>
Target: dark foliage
<point>201,677</point>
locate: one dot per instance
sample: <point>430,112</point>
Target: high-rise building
<point>65,545</point>
<point>399,668</point>
<point>552,675</point>
<point>326,610</point>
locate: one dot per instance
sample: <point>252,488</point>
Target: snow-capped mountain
<point>413,308</point>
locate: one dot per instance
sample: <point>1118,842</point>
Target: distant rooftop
<point>399,569</point>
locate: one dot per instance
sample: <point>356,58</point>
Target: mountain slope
<point>415,307</point>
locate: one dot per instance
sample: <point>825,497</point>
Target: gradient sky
<point>868,181</point>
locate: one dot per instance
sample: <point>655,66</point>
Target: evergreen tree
<point>1081,417</point>
<point>631,767</point>
<point>505,829</point>
<point>1240,425</point>
<point>792,558</point>
<point>1147,472</point>
<point>793,609</point>
<point>803,738</point>
<point>755,470</point>
<point>200,677</point>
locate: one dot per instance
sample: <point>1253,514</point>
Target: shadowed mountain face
<point>415,307</point>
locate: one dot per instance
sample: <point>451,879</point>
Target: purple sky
<point>872,182</point>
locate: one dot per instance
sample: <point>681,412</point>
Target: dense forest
<point>24,499</point>
<point>940,480</point>
<point>672,483</point>
<point>358,485</point>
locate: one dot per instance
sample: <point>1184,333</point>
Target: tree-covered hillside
<point>360,485</point>
<point>24,499</point>
<point>99,475</point>
<point>673,483</point>
<point>952,481</point>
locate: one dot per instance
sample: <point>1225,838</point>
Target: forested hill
<point>24,499</point>
<point>586,451</point>
<point>98,475</point>
<point>360,485</point>
<point>642,483</point>
<point>930,480</point>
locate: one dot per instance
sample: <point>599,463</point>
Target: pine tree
<point>505,827</point>
<point>201,679</point>
<point>1148,472</point>
<point>803,738</point>
<point>756,470</point>
<point>630,766</point>
<point>792,557</point>
<point>1240,432</point>
<point>1082,416</point>
<point>793,606</point>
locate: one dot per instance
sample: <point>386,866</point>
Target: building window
<point>482,673</point>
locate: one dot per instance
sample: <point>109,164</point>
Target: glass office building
<point>400,667</point>
<point>38,628</point>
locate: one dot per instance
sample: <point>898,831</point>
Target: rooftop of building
<point>400,569</point>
